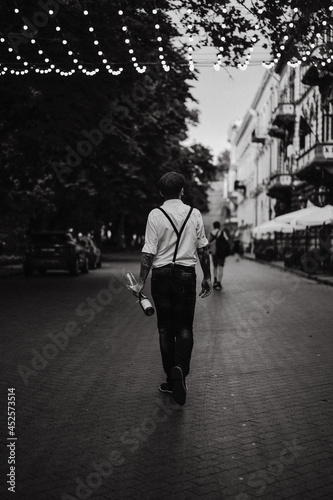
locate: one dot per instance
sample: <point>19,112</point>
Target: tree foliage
<point>223,163</point>
<point>80,149</point>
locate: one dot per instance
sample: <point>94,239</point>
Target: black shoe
<point>179,386</point>
<point>165,387</point>
<point>215,284</point>
<point>218,286</point>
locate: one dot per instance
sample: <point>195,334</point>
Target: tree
<point>77,150</point>
<point>223,163</point>
<point>93,103</point>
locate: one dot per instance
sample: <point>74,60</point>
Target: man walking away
<point>174,238</point>
<point>220,250</point>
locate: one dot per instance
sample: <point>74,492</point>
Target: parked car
<point>94,253</point>
<point>55,250</point>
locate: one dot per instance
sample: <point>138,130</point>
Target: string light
<point>310,40</point>
<point>70,53</point>
<point>100,53</point>
<point>127,40</point>
<point>165,66</point>
<point>190,48</point>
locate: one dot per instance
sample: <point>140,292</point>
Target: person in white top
<point>174,241</point>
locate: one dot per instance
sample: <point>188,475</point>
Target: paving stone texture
<point>90,422</point>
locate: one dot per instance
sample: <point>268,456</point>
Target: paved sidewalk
<point>326,279</point>
<point>91,423</point>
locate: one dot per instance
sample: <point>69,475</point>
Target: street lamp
<point>302,201</point>
<point>322,195</point>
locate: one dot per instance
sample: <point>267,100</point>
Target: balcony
<point>284,115</point>
<point>280,186</point>
<point>316,162</point>
<point>258,137</point>
<point>277,132</point>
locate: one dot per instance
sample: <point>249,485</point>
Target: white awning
<point>291,217</point>
<point>271,227</point>
<point>322,216</point>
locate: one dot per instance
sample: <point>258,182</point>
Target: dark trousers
<point>173,289</point>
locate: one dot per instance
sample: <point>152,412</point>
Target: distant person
<point>220,248</point>
<point>174,238</point>
<point>237,248</point>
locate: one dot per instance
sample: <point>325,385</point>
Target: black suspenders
<point>178,233</point>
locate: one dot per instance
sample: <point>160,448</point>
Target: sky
<point>223,97</point>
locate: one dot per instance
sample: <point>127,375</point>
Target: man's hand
<point>137,289</point>
<point>206,288</point>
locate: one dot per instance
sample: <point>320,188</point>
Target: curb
<point>320,280</point>
<point>6,272</point>
<point>9,271</point>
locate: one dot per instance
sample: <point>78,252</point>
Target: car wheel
<point>85,268</point>
<point>75,268</point>
<point>28,271</point>
<point>99,264</point>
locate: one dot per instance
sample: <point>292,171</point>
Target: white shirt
<point>160,237</point>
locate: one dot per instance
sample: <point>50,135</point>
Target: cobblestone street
<point>91,423</point>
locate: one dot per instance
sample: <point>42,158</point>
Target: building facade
<point>282,151</point>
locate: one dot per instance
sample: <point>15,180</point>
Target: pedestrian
<point>238,247</point>
<point>174,240</point>
<point>220,246</point>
